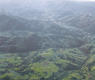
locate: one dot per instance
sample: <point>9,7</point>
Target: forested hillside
<point>56,42</point>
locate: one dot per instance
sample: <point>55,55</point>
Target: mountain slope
<point>17,34</point>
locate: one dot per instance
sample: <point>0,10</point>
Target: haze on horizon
<point>5,3</point>
<point>20,1</point>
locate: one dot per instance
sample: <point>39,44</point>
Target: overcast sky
<point>16,1</point>
<point>34,3</point>
<point>13,5</point>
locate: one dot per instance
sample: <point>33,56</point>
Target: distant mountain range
<point>16,34</point>
<point>58,25</point>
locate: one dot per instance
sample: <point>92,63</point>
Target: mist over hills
<point>47,40</point>
<point>53,22</point>
<point>72,13</point>
<point>49,34</point>
<point>78,14</point>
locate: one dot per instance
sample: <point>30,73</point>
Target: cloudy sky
<point>31,2</point>
<point>15,1</point>
<point>84,0</point>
